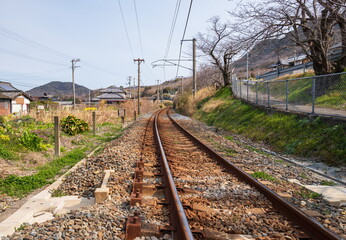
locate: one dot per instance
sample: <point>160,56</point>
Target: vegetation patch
<point>306,193</point>
<point>264,176</point>
<point>72,125</point>
<point>20,186</point>
<point>327,183</point>
<point>283,132</point>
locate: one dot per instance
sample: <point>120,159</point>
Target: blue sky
<point>93,31</point>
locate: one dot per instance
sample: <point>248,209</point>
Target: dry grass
<point>104,112</point>
<point>187,105</point>
<point>209,106</point>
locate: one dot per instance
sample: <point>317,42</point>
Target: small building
<point>5,105</point>
<point>13,100</point>
<point>111,95</point>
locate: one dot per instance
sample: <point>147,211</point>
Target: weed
<point>72,125</point>
<point>279,161</point>
<point>31,141</point>
<point>303,176</point>
<point>306,193</point>
<point>231,138</point>
<point>230,152</point>
<point>264,176</point>
<point>6,154</point>
<point>327,183</point>
<point>58,193</point>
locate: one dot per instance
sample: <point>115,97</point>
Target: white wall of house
<point>20,105</point>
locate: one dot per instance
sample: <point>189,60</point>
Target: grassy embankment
<point>22,137</point>
<point>284,133</point>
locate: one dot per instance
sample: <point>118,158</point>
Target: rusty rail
<point>311,227</point>
<point>177,214</point>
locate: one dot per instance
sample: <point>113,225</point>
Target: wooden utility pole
<point>56,136</point>
<point>194,67</point>
<point>73,86</point>
<point>139,61</point>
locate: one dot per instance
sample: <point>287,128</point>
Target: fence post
<point>240,87</point>
<point>286,95</point>
<point>256,92</point>
<point>94,123</point>
<point>268,92</point>
<point>134,115</point>
<point>247,90</point>
<point>313,95</point>
<point>56,136</point>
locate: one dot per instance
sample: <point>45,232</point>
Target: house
<point>111,95</point>
<point>298,64</point>
<point>13,100</point>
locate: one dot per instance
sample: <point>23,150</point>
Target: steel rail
<point>177,214</point>
<point>310,225</point>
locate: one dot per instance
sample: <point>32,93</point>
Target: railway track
<point>196,194</point>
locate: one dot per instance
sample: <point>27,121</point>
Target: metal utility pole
<point>247,65</point>
<point>158,91</point>
<point>194,67</point>
<point>194,76</point>
<point>74,61</point>
<point>139,61</point>
<point>129,78</point>
<point>182,86</point>
<point>89,97</point>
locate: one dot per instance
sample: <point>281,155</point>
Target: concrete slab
<point>334,195</point>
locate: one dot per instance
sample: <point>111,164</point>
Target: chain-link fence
<point>324,95</point>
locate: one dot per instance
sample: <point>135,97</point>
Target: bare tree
<point>219,45</point>
<point>311,24</point>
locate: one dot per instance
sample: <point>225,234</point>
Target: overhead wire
<point>12,53</point>
<point>175,16</point>
<point>31,43</point>
<point>139,32</point>
<point>127,34</point>
<point>181,43</point>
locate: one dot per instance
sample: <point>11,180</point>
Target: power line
<point>139,32</point>
<point>175,16</point>
<point>38,74</point>
<point>31,43</point>
<point>181,43</point>
<point>102,69</point>
<point>127,34</point>
<point>12,53</point>
<point>27,41</point>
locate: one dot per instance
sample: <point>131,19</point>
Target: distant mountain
<point>59,89</point>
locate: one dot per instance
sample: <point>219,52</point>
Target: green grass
<point>230,152</point>
<point>58,193</point>
<point>285,133</point>
<point>327,183</point>
<point>306,193</point>
<point>20,186</point>
<point>6,153</point>
<point>264,176</point>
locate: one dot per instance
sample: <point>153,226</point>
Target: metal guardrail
<point>321,95</point>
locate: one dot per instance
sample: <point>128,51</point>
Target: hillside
<point>59,89</point>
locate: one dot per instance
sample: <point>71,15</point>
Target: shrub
<point>31,141</point>
<point>72,125</point>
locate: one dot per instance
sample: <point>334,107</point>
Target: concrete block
<point>101,194</point>
<point>334,195</point>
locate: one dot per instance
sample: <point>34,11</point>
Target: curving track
<point>206,197</point>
